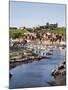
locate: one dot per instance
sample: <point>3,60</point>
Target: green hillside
<point>17,32</point>
<point>59,31</point>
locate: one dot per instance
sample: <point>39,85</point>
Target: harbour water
<point>36,73</point>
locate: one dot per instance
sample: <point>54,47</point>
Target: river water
<point>36,73</point>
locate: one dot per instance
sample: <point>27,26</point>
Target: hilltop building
<point>48,26</point>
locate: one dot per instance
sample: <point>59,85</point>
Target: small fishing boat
<point>49,53</point>
<point>10,75</point>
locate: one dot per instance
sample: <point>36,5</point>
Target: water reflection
<point>37,73</point>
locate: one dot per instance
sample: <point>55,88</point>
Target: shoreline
<point>60,75</point>
<point>13,64</point>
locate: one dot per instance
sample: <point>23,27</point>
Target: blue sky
<point>32,14</point>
